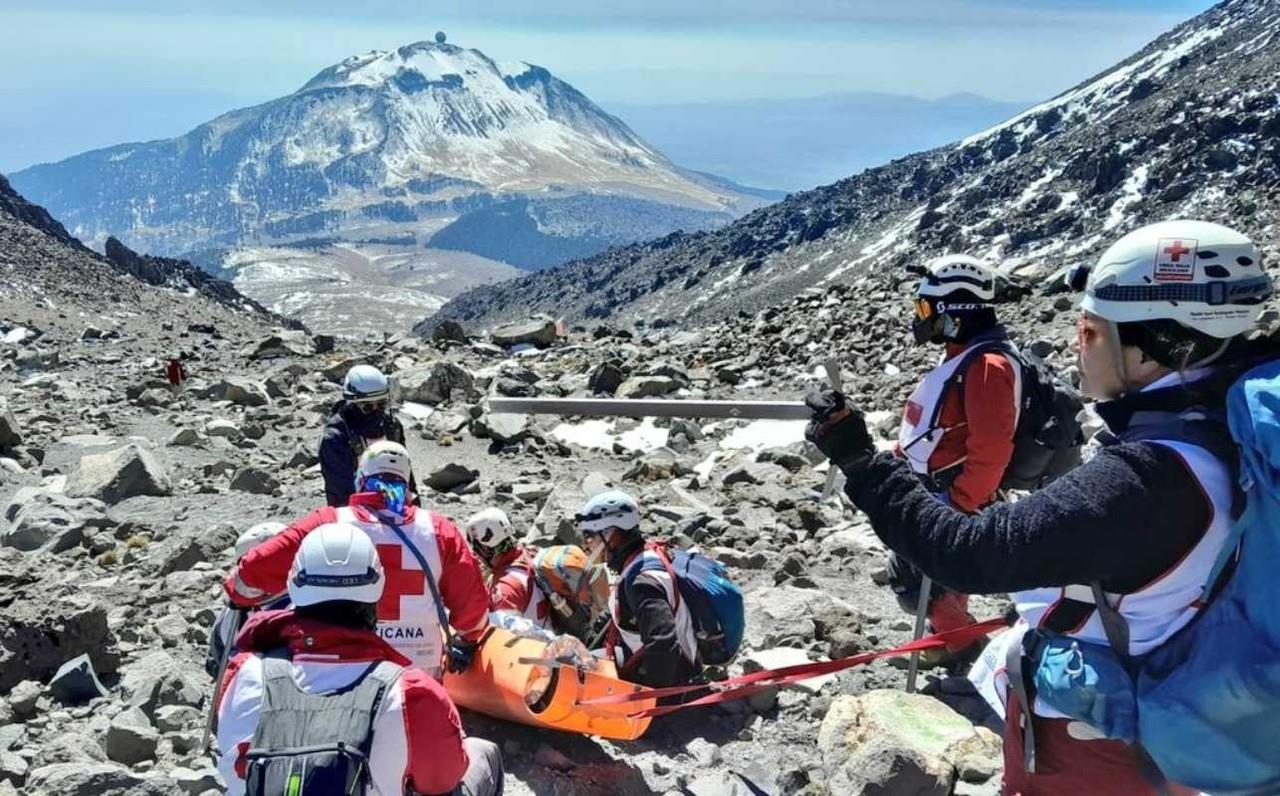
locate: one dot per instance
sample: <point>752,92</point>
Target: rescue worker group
<point>1141,654</point>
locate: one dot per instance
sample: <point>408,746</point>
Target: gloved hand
<point>460,654</point>
<point>839,430</point>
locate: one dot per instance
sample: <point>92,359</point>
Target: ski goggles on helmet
<point>370,406</point>
<point>924,308</point>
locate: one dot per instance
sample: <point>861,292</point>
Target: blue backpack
<point>714,602</point>
<point>1204,706</point>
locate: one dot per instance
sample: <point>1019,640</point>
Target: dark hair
<point>1175,346</point>
<point>344,613</point>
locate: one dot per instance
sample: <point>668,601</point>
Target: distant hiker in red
<point>176,373</point>
<point>958,427</point>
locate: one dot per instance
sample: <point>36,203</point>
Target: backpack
<point>1205,705</point>
<point>577,589</point>
<point>714,602</point>
<point>1048,438</point>
<point>314,744</point>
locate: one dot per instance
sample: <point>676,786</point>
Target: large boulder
<point>448,330</point>
<point>885,742</point>
<point>502,426</point>
<point>540,331</point>
<point>291,343</point>
<point>131,739</point>
<point>119,474</point>
<point>54,521</point>
<point>605,378</point>
<point>158,680</point>
<point>244,392</point>
<point>38,636</point>
<point>76,682</point>
<point>255,481</point>
<point>647,387</point>
<point>449,477</point>
<point>441,382</point>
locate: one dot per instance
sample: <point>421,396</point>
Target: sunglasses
<point>375,407</point>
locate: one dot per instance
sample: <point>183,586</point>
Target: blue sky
<point>81,74</point>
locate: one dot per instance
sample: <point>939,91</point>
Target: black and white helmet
<point>489,528</point>
<point>365,383</point>
<point>608,511</point>
<point>952,273</point>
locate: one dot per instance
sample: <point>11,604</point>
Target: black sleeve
<point>1123,518</point>
<point>663,663</point>
<point>338,466</point>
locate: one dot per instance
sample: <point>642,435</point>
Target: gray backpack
<point>315,744</point>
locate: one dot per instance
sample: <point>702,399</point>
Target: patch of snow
<point>416,411</point>
<point>760,434</point>
<point>1130,193</point>
<point>602,435</point>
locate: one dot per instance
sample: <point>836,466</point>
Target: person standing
<point>363,416</point>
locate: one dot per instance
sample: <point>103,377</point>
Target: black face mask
<point>367,425</point>
<point>927,330</point>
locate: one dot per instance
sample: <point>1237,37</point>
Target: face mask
<point>394,492</point>
<point>368,426</point>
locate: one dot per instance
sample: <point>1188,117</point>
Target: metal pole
<point>836,380</point>
<point>657,407</point>
<point>211,721</point>
<point>922,612</point>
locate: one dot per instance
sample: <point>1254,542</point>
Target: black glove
<point>460,655</point>
<point>839,431</point>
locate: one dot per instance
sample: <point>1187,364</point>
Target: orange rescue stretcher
<point>516,679</point>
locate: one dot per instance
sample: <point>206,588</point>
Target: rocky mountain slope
<point>44,265</point>
<point>1189,126</point>
<point>390,144</point>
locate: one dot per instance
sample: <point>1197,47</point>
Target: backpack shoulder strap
<point>967,358</point>
<point>426,572</point>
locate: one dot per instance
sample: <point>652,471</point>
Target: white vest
<point>917,440</point>
<point>408,619</point>
<point>1153,613</point>
<point>631,640</point>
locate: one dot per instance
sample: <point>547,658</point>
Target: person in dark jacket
<point>362,416</point>
<point>652,637</point>
<point>1160,339</point>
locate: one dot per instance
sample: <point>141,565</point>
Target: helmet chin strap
<point>1209,360</point>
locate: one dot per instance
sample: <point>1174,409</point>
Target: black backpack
<point>1048,439</point>
<point>315,744</point>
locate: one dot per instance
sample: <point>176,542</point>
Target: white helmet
<point>384,458</point>
<point>489,528</point>
<point>954,272</point>
<point>1202,275</point>
<point>609,511</point>
<point>256,536</point>
<point>336,562</point>
<point>365,383</point>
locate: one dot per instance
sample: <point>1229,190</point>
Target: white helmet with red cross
<point>1202,275</point>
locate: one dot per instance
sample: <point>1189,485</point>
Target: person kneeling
<point>315,701</point>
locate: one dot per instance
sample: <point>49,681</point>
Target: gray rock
<point>69,747</point>
<point>76,682</point>
<point>301,457</point>
<point>605,379</point>
<point>10,433</point>
<point>119,474</point>
<point>157,679</point>
<point>254,481</point>
<point>56,521</point>
<point>223,428</point>
<point>647,387</point>
<point>95,779</point>
<point>283,344</point>
<point>196,783</point>
<point>182,554</point>
<point>23,698</point>
<point>444,381</point>
<point>131,739</point>
<point>503,427</point>
<point>13,767</point>
<point>38,636</point>
<point>239,391</point>
<point>175,718</point>
<point>450,477</point>
<point>184,437</point>
<point>448,330</point>
<point>892,742</point>
<point>540,331</point>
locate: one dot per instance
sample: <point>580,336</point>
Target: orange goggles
<point>924,309</point>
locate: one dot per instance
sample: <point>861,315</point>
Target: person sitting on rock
<point>360,418</point>
<point>957,431</point>
<point>652,636</point>
<point>1131,537</point>
<point>316,701</point>
<point>566,598</point>
<point>430,569</point>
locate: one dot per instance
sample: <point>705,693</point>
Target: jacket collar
<point>1165,396</point>
<point>996,333</point>
<point>272,630</point>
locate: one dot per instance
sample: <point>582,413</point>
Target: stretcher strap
<point>748,684</point>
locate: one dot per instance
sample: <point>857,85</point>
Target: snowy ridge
<point>383,144</point>
<point>1188,126</point>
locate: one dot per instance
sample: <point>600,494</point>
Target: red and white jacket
<point>407,615</point>
<point>514,590</point>
<point>417,735</point>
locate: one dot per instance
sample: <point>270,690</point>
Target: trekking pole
<point>922,611</point>
<point>211,721</point>
<point>836,380</point>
